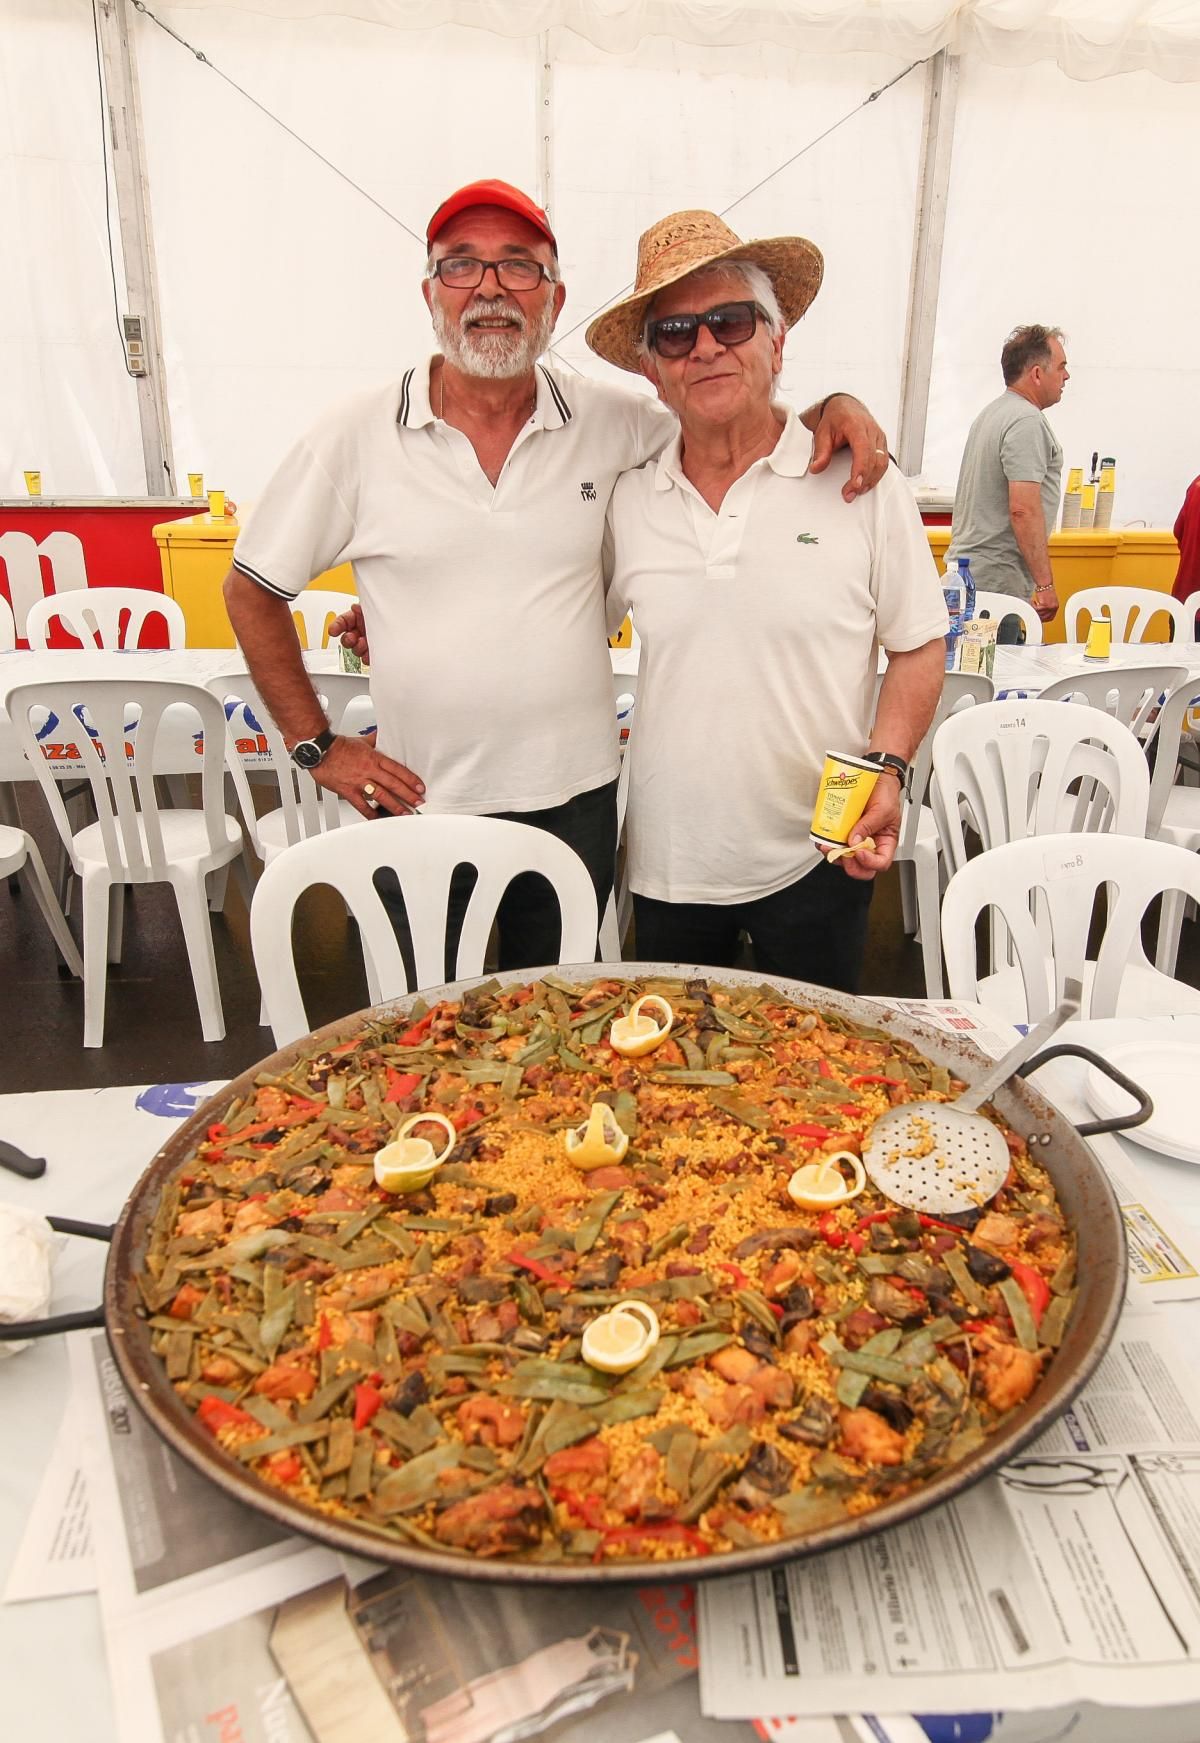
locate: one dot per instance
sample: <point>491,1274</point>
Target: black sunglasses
<point>729,324</point>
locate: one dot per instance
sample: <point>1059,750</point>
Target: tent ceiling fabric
<point>1088,39</point>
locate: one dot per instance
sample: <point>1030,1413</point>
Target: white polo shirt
<point>759,628</point>
<point>484,606</point>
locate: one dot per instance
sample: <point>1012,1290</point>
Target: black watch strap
<point>888,760</point>
<point>320,742</point>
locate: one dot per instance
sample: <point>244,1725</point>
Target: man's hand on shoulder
<point>352,765</point>
<point>352,632</point>
<point>845,422</point>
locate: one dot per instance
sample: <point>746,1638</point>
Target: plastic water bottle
<point>958,591</point>
<point>968,581</point>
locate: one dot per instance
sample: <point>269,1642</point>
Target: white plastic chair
<point>1129,693</point>
<point>1131,611</point>
<point>19,855</point>
<point>424,853</point>
<point>1014,769</point>
<point>1042,895</point>
<point>8,627</point>
<point>1174,814</point>
<point>618,910</point>
<point>93,615</point>
<point>313,611</point>
<point>918,852</point>
<point>133,841</point>
<point>1001,605</point>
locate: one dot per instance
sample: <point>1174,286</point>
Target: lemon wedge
<point>407,1164</point>
<point>621,1338</point>
<point>637,1032</point>
<point>821,1185</point>
<point>599,1143</point>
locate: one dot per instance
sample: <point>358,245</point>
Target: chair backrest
<point>314,610</point>
<point>961,690</point>
<point>105,617</point>
<point>1129,693</point>
<point>113,724</point>
<point>8,627</point>
<point>1173,724</point>
<point>1131,610</point>
<point>424,852</point>
<point>1001,605</point>
<point>307,809</point>
<point>1043,892</point>
<point>1035,768</point>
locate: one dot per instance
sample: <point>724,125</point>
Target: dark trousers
<point>528,921</point>
<point>1011,632</point>
<point>814,930</point>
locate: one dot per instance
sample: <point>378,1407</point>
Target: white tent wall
<point>282,287</point>
<point>67,407</point>
<point>1074,204</point>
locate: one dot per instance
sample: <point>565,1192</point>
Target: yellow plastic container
<point>195,554</point>
<point>1101,557</point>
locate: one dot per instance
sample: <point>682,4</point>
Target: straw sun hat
<point>684,242</point>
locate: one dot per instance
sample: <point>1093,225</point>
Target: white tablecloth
<point>97,1142</point>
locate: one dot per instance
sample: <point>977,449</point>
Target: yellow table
<point>196,553</point>
<point>1112,557</point>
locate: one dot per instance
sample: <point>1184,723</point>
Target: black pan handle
<point>16,1331</point>
<point>17,1162</point>
<point>1119,1122</point>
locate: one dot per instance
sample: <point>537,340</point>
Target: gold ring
<point>881,450</point>
<point>369,795</point>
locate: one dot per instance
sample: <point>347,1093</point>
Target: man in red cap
<point>470,498</point>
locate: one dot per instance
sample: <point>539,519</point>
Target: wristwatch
<point>311,752</point>
<point>887,760</point>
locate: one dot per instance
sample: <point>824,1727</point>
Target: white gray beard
<point>493,356</point>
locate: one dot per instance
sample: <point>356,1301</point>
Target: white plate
<point>1167,1070</point>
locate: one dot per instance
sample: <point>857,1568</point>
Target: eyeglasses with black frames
<point>465,272</point>
<point>729,324</point>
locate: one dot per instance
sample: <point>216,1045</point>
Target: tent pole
<point>941,95</point>
<point>545,126</point>
<point>137,245</point>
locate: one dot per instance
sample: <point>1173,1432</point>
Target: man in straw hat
<point>761,600</point>
<point>470,497</point>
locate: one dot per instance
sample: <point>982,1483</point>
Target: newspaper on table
<point>1072,1575</point>
<point>218,1625</point>
<point>55,1557</point>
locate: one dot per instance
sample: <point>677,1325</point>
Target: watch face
<point>307,754</point>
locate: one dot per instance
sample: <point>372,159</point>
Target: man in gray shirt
<point>1007,495</point>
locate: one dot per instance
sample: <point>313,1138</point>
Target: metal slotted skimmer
<point>945,1157</point>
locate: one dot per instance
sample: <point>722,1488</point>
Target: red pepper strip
<point>851,1111</point>
<point>666,1531</point>
<point>1033,1287</point>
<point>215,1413</point>
<point>217,1133</point>
<point>831,1234</point>
<point>285,1466</point>
<point>824,1069</point>
<point>776,1309</point>
<point>975,1324</point>
<point>465,1117</point>
<point>418,1031</point>
<point>585,1507</point>
<point>803,1129</point>
<point>933,1222</point>
<point>875,1077</point>
<point>878,1216</point>
<point>735,1271</point>
<point>855,1241</point>
<point>324,1334</point>
<point>367,1400</point>
<point>306,1107</point>
<point>400,1084</point>
<point>543,1272</point>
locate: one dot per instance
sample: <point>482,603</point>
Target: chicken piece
<point>346,1325</point>
<point>724,1404</point>
<point>497,1521</point>
<point>764,1379</point>
<point>799,1338</point>
<point>686,1313</point>
<point>492,1421</point>
<point>358,1286</point>
<point>735,1364</point>
<point>779,1276</point>
<point>631,1491</point>
<point>285,1380</point>
<point>629,1238</point>
<point>271,1104</point>
<point>1009,1374</point>
<point>220,1371</point>
<point>776,1389</point>
<point>337,1198</point>
<point>584,1466</point>
<point>995,1230</point>
<point>867,1437</point>
<point>208,1220</point>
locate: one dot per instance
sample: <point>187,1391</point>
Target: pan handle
<point>18,1330</point>
<point>1118,1122</point>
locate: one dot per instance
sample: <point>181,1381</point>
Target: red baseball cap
<point>491,193</point>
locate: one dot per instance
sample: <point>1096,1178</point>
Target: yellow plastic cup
<point>1075,478</point>
<point>33,483</point>
<point>196,483</point>
<point>216,504</point>
<point>847,782</point>
<point>1099,641</point>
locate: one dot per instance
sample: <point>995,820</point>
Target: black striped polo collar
<point>552,409</point>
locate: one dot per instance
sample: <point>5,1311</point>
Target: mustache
<point>484,310</point>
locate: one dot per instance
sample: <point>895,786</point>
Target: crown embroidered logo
<point>587,491</point>
<point>807,539</point>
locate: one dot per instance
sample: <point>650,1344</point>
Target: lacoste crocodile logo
<point>807,539</point>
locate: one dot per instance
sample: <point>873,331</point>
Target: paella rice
<point>413,1362</point>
